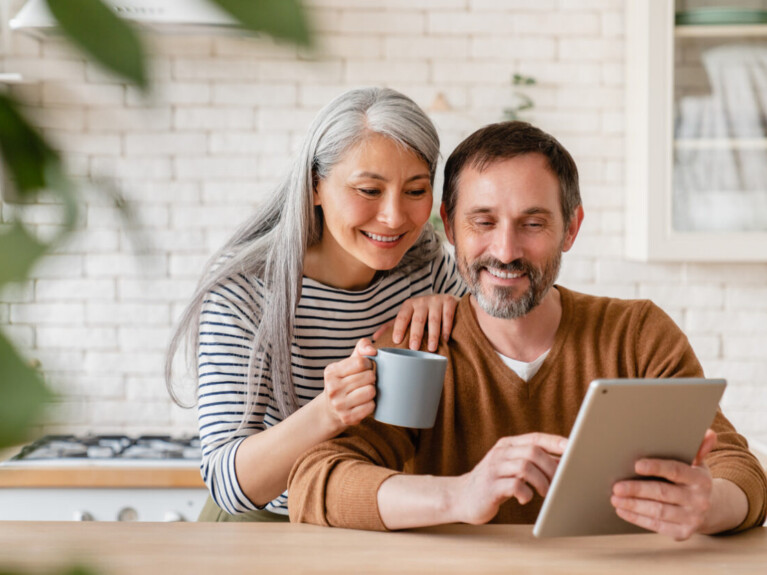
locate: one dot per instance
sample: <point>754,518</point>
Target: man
<point>520,359</point>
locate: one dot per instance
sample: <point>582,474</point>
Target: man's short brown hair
<point>506,140</point>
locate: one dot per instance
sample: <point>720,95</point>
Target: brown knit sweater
<point>336,482</point>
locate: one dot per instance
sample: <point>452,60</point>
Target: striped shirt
<point>328,324</point>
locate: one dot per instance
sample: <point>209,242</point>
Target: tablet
<point>620,421</point>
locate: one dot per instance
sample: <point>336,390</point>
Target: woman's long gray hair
<point>271,245</point>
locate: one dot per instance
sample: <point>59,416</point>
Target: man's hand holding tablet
<point>681,505</point>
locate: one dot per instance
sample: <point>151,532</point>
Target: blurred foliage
<point>34,167</point>
<point>522,101</point>
<point>89,25</point>
<point>76,570</point>
<point>23,393</point>
<point>279,18</point>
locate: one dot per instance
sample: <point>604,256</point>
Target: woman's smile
<point>383,241</point>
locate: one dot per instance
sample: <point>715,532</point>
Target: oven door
<point>101,503</point>
<point>106,491</point>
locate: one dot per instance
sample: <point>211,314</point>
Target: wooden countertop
<point>25,474</point>
<point>163,548</point>
<point>100,476</point>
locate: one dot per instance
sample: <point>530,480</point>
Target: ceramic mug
<point>408,386</point>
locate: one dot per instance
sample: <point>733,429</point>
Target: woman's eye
<point>368,191</point>
<point>417,193</point>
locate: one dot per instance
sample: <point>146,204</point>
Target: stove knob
<point>173,516</point>
<point>82,516</point>
<point>127,514</point>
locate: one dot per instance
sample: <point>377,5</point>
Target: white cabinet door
<point>100,504</point>
<point>696,133</point>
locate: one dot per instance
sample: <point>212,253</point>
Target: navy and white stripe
<point>329,322</point>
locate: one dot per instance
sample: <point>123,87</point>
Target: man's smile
<point>504,275</point>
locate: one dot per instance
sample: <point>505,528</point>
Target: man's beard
<point>499,301</point>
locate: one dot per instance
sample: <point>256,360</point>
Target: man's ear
<point>572,229</point>
<point>446,223</point>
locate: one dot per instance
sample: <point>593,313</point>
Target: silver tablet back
<point>620,421</point>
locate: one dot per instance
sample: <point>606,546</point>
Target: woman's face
<point>374,203</point>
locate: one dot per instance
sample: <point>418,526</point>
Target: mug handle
<point>374,359</point>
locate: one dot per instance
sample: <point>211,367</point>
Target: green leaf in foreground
<point>279,18</point>
<point>19,251</point>
<point>34,167</point>
<point>64,189</point>
<point>79,570</point>
<point>103,35</point>
<point>25,152</point>
<point>23,395</point>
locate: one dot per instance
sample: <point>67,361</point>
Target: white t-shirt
<point>525,370</point>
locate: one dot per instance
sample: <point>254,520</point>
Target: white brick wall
<point>216,132</point>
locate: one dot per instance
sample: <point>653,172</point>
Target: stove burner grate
<point>111,447</point>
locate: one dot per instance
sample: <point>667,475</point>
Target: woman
<point>341,245</point>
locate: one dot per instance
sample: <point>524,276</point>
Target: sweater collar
<point>466,316</point>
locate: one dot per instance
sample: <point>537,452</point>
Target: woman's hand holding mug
<point>350,386</point>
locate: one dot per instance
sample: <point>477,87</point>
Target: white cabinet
<point>101,504</point>
<point>696,133</point>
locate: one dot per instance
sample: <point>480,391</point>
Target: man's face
<point>509,233</point>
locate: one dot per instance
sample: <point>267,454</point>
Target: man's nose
<point>507,246</point>
<point>393,212</point>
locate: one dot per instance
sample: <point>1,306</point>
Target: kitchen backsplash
<point>217,132</point>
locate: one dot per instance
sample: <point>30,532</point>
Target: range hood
<point>164,15</point>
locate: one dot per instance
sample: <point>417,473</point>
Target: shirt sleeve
<point>663,350</point>
<point>226,330</point>
<point>336,483</point>
<point>445,276</point>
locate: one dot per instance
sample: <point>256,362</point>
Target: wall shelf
<point>734,31</point>
<point>721,144</point>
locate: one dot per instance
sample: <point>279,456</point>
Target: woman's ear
<point>316,184</point>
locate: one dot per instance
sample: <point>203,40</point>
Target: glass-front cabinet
<point>696,148</point>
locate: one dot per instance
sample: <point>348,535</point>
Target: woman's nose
<point>392,213</point>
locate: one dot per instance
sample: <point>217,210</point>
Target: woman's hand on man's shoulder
<point>429,315</point>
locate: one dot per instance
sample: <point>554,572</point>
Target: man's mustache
<point>515,266</point>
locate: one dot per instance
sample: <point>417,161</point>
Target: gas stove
<point>144,450</point>
<point>103,478</point>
